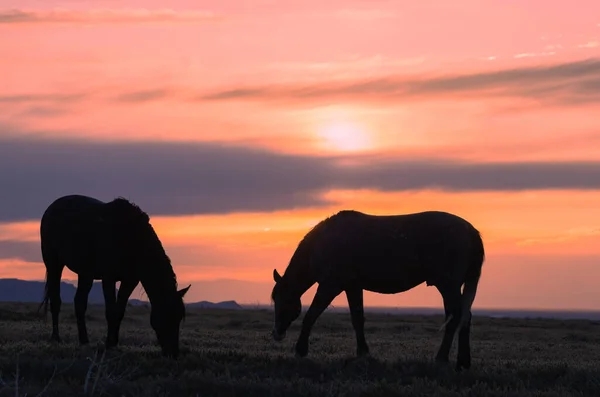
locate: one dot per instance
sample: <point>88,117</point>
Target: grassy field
<point>230,353</point>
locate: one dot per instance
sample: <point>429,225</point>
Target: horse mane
<point>131,213</point>
<point>316,229</point>
<point>128,210</point>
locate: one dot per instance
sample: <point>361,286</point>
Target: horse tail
<point>45,300</point>
<point>472,277</point>
<point>51,262</point>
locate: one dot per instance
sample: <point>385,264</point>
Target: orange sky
<point>239,127</point>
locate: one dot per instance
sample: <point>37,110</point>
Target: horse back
<point>70,231</point>
<point>394,253</point>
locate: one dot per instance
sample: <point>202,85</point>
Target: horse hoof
<point>110,344</point>
<point>362,353</point>
<point>462,366</point>
<point>441,358</point>
<point>301,354</point>
<point>442,362</point>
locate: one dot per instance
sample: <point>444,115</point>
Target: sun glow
<point>345,136</point>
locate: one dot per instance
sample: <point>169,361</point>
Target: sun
<point>345,137</point>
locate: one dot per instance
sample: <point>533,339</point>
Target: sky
<point>239,125</point>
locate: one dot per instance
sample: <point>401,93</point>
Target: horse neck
<point>158,281</point>
<point>298,276</point>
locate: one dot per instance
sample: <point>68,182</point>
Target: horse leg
<point>53,284</point>
<point>110,301</point>
<point>54,270</point>
<point>84,285</point>
<point>452,307</point>
<point>323,298</point>
<point>125,291</point>
<point>463,359</point>
<point>357,313</point>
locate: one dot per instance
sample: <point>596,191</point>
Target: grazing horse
<point>352,251</point>
<point>112,242</point>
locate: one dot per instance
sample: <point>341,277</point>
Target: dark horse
<point>352,251</point>
<point>111,242</point>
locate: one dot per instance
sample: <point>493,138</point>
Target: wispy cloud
<point>535,54</point>
<point>41,98</point>
<point>352,65</point>
<point>16,16</point>
<point>571,83</point>
<point>589,44</point>
<point>142,96</point>
<point>569,235</point>
<point>43,111</point>
<point>365,14</point>
<point>564,83</point>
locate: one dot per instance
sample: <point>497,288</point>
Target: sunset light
<point>300,198</point>
<point>238,128</point>
<point>345,137</point>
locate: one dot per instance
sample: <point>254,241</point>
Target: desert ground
<point>230,353</point>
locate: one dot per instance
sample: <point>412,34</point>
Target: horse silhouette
<point>353,251</point>
<point>112,242</point>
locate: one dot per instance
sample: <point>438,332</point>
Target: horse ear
<point>276,276</point>
<point>182,292</point>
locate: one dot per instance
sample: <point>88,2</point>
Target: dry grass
<point>229,353</point>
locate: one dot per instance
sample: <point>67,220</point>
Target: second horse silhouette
<point>352,251</point>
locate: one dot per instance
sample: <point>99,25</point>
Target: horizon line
<point>337,307</point>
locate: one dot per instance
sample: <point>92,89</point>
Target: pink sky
<point>496,84</point>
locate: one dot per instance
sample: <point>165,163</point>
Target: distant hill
<point>231,305</point>
<point>15,290</point>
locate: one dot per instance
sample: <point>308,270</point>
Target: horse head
<point>166,315</point>
<point>287,306</point>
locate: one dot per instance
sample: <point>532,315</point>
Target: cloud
<point>560,84</point>
<point>534,54</point>
<point>564,83</point>
<point>351,66</point>
<point>467,176</point>
<point>202,178</point>
<point>26,251</point>
<point>366,14</point>
<point>164,178</point>
<point>17,16</point>
<point>142,96</point>
<point>589,44</point>
<point>41,98</point>
<point>569,235</point>
<point>41,111</point>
